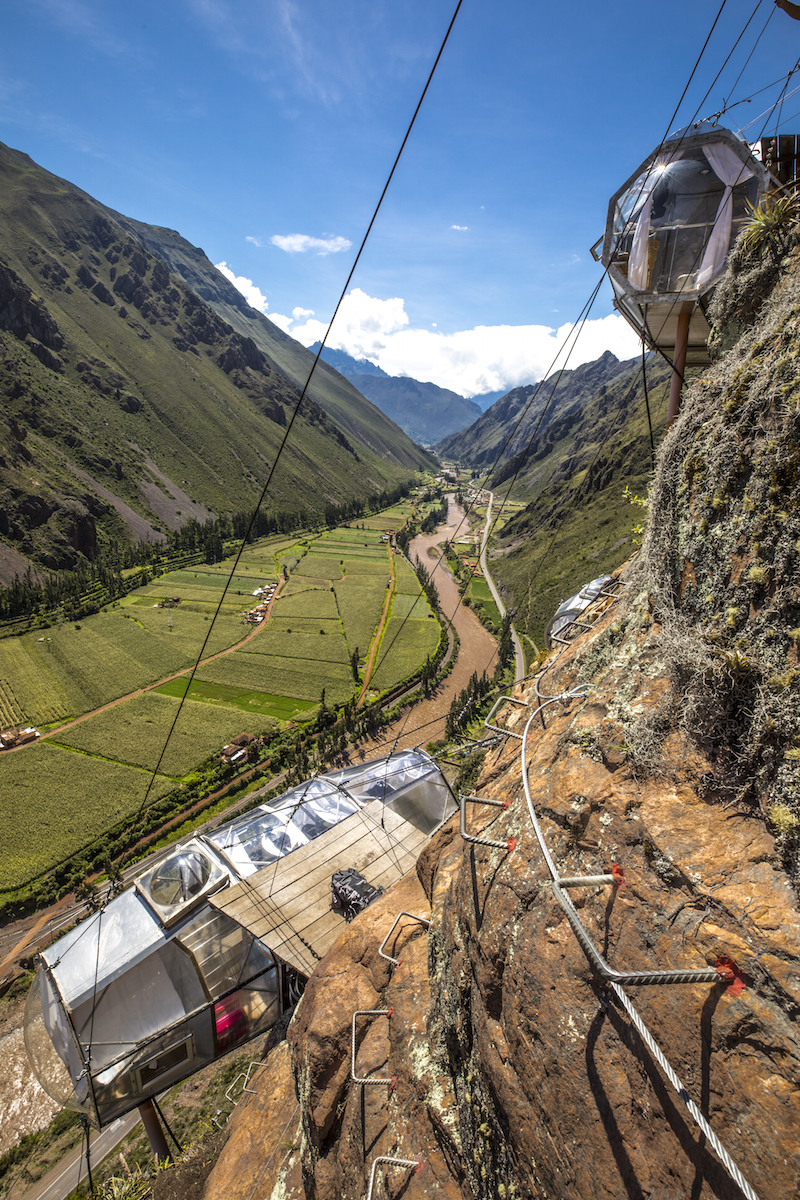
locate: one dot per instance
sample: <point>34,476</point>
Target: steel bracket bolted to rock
<point>509,844</point>
<point>368,1012</point>
<point>416,1163</point>
<point>487,723</point>
<point>396,961</point>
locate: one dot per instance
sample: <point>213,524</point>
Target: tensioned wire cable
<point>297,406</point>
<point>589,304</point>
<point>574,495</point>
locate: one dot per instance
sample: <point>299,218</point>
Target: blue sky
<point>263,131</point>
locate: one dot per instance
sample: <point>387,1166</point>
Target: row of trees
<point>93,583</point>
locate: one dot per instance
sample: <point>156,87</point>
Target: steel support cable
<point>701,249</point>
<point>768,111</point>
<point>725,106</point>
<point>300,400</point>
<point>746,99</point>
<point>659,350</point>
<point>577,328</point>
<point>573,336</point>
<point>727,60</point>
<point>605,272</point>
<point>615,980</point>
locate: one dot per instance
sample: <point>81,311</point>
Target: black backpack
<point>351,893</point>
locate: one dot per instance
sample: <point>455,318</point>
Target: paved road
<point>67,1174</point>
<point>519,654</point>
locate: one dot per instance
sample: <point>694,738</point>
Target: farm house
<point>208,947</point>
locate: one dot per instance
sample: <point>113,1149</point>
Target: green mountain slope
<point>593,442</point>
<point>127,404</point>
<point>517,414</point>
<point>356,415</point>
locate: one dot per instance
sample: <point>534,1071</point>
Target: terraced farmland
<point>41,821</point>
<point>329,606</point>
<point>135,733</point>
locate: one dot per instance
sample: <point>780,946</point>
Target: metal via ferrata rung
<point>724,970</point>
<point>509,844</point>
<point>396,961</point>
<point>368,1012</point>
<point>416,1163</point>
<point>487,723</point>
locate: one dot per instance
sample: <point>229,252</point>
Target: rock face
<point>671,747</point>
<point>519,1074</point>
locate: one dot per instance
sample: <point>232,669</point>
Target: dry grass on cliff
<point>721,562</point>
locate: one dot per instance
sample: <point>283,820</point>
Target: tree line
<point>95,582</point>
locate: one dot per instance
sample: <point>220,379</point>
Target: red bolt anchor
<point>619,875</point>
<point>730,974</point>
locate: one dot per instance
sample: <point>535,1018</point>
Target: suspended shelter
<point>669,231</point>
<point>569,611</point>
<point>208,947</point>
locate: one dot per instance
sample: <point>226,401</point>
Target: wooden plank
<point>287,904</point>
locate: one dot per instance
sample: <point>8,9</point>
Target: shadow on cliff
<point>707,1170</point>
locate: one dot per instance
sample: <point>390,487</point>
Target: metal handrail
<point>723,972</point>
<point>367,1012</point>
<point>487,721</point>
<point>416,1163</point>
<point>510,843</point>
<point>396,961</point>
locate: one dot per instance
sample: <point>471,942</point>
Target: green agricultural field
<point>319,567</point>
<point>405,604</point>
<point>407,581</point>
<point>299,679</point>
<point>403,649</point>
<point>208,578</point>
<point>360,599</point>
<point>318,641</point>
<point>235,697</point>
<point>316,602</point>
<point>134,733</point>
<point>480,592</point>
<point>187,628</point>
<point>296,584</point>
<point>365,566</point>
<point>53,801</point>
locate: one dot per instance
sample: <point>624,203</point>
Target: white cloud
<point>362,325</point>
<point>297,313</point>
<point>254,297</point>
<point>461,228</point>
<point>300,243</point>
<point>255,240</point>
<point>277,318</point>
<point>487,358</point>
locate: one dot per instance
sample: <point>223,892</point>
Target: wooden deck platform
<point>287,904</point>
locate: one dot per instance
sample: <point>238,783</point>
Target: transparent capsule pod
<point>161,982</point>
<point>670,229</point>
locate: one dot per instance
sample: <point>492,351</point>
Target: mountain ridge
<point>425,411</point>
<point>129,405</point>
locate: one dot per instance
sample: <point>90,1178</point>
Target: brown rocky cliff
<point>519,1072</point>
